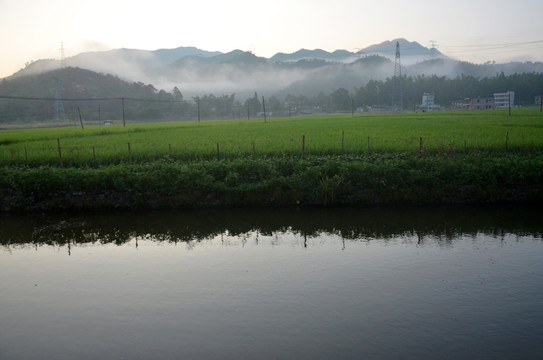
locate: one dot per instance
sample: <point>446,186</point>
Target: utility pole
<point>122,103</point>
<point>264,109</point>
<point>397,101</point>
<point>509,102</point>
<point>80,118</point>
<point>198,105</point>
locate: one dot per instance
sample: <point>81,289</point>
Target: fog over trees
<point>146,103</point>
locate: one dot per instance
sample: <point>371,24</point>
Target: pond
<point>375,283</point>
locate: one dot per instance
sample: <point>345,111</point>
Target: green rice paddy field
<point>455,157</point>
<point>362,134</point>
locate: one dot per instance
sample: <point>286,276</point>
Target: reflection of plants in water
<point>329,187</point>
<point>427,223</point>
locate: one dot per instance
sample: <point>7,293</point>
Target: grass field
<point>451,132</point>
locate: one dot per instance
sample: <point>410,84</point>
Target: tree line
<point>145,103</point>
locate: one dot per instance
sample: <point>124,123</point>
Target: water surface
<point>376,283</point>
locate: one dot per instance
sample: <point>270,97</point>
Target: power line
<point>499,45</point>
<point>490,49</point>
<point>87,99</point>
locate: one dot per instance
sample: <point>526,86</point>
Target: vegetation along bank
<point>337,161</point>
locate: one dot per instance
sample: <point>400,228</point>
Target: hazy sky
<point>472,30</point>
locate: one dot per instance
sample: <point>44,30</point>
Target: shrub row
<point>276,181</point>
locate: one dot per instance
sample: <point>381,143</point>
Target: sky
<point>476,31</point>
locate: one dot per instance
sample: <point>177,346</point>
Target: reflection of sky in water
<point>274,295</point>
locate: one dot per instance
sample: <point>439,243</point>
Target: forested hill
<point>73,83</point>
<point>32,98</point>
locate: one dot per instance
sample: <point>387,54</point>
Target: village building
<point>504,100</point>
<point>428,100</point>
<point>479,103</point>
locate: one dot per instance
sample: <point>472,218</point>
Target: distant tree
<point>177,94</point>
<point>165,96</point>
<point>274,105</point>
<point>237,110</point>
<point>340,100</point>
<point>322,101</point>
<point>225,105</point>
<point>253,105</point>
<point>296,104</point>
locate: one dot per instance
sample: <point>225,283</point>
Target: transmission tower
<point>59,105</point>
<point>433,48</point>
<point>62,56</point>
<point>397,97</point>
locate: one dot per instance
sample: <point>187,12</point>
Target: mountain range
<point>195,71</point>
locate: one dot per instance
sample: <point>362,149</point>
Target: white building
<point>504,100</point>
<point>428,100</point>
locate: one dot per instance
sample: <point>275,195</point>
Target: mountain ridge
<point>103,61</point>
<point>196,71</point>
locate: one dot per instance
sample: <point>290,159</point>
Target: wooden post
<point>93,156</point>
<point>218,152</point>
<point>129,153</point>
<point>303,145</point>
<point>264,108</point>
<point>59,152</point>
<point>342,141</point>
<point>80,118</point>
<point>122,103</point>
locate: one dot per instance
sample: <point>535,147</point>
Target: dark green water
<point>375,283</point>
